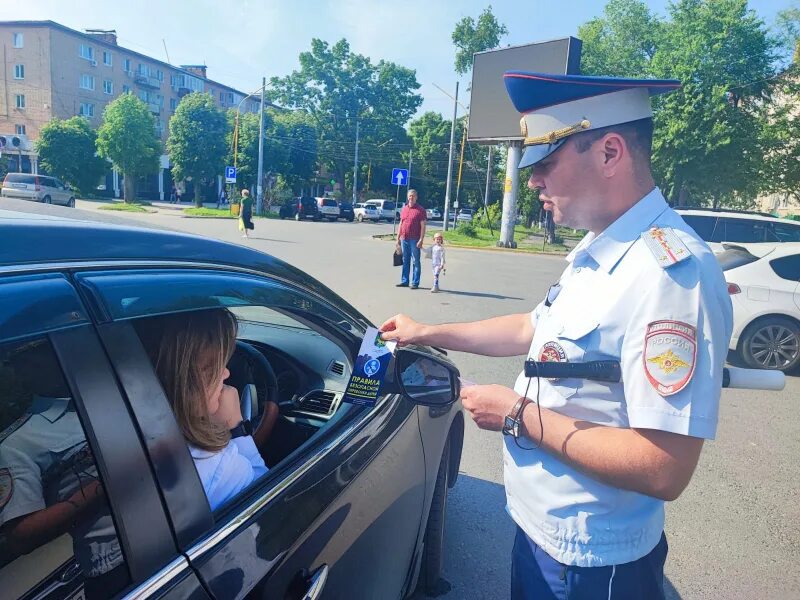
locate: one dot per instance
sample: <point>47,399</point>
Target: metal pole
<point>461,163</point>
<point>510,196</point>
<point>450,162</point>
<point>355,171</point>
<point>260,187</point>
<point>486,193</point>
<point>408,181</point>
<point>396,201</point>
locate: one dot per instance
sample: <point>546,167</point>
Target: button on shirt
<point>607,299</point>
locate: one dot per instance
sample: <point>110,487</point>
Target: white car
<point>38,188</point>
<point>366,212</point>
<point>433,213</point>
<point>764,285</point>
<point>328,208</point>
<point>737,226</point>
<point>386,208</point>
<point>465,215</point>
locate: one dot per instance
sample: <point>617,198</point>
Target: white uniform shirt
<point>44,458</point>
<point>616,303</point>
<point>229,471</point>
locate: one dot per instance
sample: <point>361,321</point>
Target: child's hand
<point>229,413</point>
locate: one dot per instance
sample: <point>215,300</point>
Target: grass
<point>138,207</point>
<point>484,238</point>
<point>220,213</point>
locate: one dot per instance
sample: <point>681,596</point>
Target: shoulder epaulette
<point>666,246</point>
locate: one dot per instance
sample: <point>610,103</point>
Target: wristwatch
<point>512,422</point>
<point>242,429</point>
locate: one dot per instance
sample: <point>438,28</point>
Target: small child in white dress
<point>437,256</point>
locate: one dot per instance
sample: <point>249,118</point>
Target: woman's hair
<point>188,351</point>
<point>245,193</point>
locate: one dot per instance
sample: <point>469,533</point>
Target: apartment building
<point>51,71</point>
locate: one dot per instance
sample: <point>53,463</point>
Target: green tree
<point>197,141</point>
<point>296,133</point>
<point>708,142</point>
<point>470,37</point>
<point>128,139</point>
<point>68,150</point>
<point>337,89</point>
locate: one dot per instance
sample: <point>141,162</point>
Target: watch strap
<point>243,429</point>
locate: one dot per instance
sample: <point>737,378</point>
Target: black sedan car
<point>346,211</point>
<point>299,209</point>
<point>99,493</point>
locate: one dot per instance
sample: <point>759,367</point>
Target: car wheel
<point>433,544</point>
<point>360,218</point>
<point>350,219</point>
<point>71,203</point>
<point>297,217</point>
<point>47,200</point>
<point>772,343</point>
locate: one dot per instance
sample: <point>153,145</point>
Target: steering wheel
<point>248,367</point>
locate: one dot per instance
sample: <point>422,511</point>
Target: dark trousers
<point>535,575</point>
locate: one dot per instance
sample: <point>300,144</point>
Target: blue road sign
<point>230,174</point>
<point>399,176</point>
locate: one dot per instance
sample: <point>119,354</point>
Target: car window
<point>388,206</point>
<point>787,267</point>
<point>703,226</point>
<point>744,231</point>
<point>329,203</point>
<point>56,529</point>
<point>735,257</point>
<point>786,232</point>
<point>20,178</point>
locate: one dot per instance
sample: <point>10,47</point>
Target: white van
<point>386,208</point>
<point>328,208</point>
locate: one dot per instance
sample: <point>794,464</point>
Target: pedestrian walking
<point>413,220</point>
<point>246,214</point>
<point>438,259</point>
<point>589,465</point>
<point>222,199</point>
<point>173,195</point>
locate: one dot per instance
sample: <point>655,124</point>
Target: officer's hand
<point>401,329</point>
<point>488,404</point>
<point>229,413</point>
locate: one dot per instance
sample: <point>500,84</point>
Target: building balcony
<point>154,108</point>
<point>151,82</point>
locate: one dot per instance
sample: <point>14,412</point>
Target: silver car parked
<point>38,188</point>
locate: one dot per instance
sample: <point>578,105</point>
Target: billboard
<point>492,117</point>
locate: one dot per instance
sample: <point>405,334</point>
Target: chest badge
<point>670,353</point>
<point>552,352</point>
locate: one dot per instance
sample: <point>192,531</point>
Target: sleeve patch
<point>670,353</point>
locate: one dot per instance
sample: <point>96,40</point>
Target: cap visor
<point>534,154</point>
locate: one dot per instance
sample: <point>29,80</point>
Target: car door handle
<point>316,581</point>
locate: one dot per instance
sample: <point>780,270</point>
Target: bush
<point>468,229</point>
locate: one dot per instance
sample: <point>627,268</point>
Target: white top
<point>229,471</point>
<point>437,255</point>
<point>669,327</point>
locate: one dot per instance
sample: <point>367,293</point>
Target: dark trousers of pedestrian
<point>410,251</point>
<point>535,575</point>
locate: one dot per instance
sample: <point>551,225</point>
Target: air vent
<point>318,402</point>
<point>337,368</point>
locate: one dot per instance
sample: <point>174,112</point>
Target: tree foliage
<point>197,140</point>
<point>127,137</point>
<point>709,142</point>
<point>68,150</point>
<point>470,37</point>
<point>337,88</point>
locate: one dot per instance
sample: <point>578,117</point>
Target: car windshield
<point>329,203</point>
<point>20,178</point>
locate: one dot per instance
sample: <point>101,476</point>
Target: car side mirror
<point>425,379</point>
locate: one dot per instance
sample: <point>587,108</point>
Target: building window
<point>173,104</point>
<point>87,82</point>
<point>20,129</point>
<point>142,69</point>
<point>127,65</point>
<point>20,100</point>
<point>160,75</point>
<point>108,86</point>
<point>107,60</point>
<point>19,71</point>
<point>87,109</point>
<point>19,40</point>
<point>87,52</point>
<point>126,89</point>
<point>173,81</point>
<point>222,97</point>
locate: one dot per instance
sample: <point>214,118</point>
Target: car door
<point>80,514</point>
<point>344,507</point>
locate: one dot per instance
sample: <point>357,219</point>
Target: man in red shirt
<point>413,220</point>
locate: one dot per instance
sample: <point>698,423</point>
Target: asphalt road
<point>735,532</point>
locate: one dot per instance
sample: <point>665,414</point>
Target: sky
<point>243,40</point>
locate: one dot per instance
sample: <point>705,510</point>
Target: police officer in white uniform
<point>48,479</point>
<point>588,470</point>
